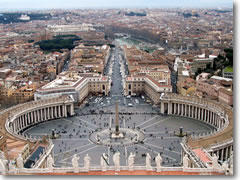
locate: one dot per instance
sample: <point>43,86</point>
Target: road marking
<point>77,124</point>
<point>155,152</point>
<point>117,95</point>
<point>40,134</point>
<point>160,132</point>
<point>162,138</point>
<point>147,120</point>
<point>72,149</point>
<point>126,156</point>
<point>165,149</point>
<point>79,153</point>
<point>110,122</point>
<point>156,123</point>
<point>86,122</point>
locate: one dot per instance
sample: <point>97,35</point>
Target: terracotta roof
<point>224,135</point>
<point>202,155</point>
<point>134,173</point>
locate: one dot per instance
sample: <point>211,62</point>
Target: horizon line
<point>92,8</point>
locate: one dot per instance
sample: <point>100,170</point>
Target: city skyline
<point>73,4</point>
<point>110,90</point>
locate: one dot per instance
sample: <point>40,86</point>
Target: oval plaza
<point>69,119</point>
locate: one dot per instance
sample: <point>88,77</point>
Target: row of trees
<point>135,14</point>
<point>59,42</point>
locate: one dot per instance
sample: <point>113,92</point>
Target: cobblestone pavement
<point>134,113</point>
<point>158,134</point>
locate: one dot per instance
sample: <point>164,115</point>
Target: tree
<point>208,66</point>
<point>229,56</point>
<point>199,70</point>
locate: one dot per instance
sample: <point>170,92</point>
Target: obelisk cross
<point>116,119</point>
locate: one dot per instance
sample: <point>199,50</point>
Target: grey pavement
<point>99,114</point>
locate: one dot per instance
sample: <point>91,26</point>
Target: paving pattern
<point>157,131</point>
<point>158,134</point>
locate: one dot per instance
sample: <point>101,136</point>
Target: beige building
<point>225,96</point>
<point>160,73</point>
<point>137,85</point>
<point>76,85</point>
<point>216,87</point>
<point>24,94</point>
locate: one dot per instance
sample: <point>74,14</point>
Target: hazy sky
<point>50,4</point>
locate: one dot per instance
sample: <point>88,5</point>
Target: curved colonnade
<point>220,141</point>
<point>219,116</point>
<point>25,115</point>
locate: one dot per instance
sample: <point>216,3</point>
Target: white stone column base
<point>76,170</point>
<point>149,169</point>
<point>86,170</point>
<point>130,169</point>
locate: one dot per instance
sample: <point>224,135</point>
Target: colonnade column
<point>170,108</point>
<point>55,108</point>
<point>226,153</point>
<point>45,113</point>
<point>65,110</point>
<point>25,120</point>
<point>175,106</point>
<point>13,126</point>
<point>210,120</point>
<point>59,111</point>
<point>178,111</point>
<point>189,111</point>
<point>52,113</point>
<point>38,115</point>
<point>205,115</point>
<point>32,120</point>
<point>20,119</point>
<point>48,114</point>
<point>195,112</point>
<point>16,124</point>
<point>217,153</point>
<point>222,154</point>
<point>72,109</point>
<point>35,116</point>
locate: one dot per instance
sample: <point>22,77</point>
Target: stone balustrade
<point>65,170</point>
